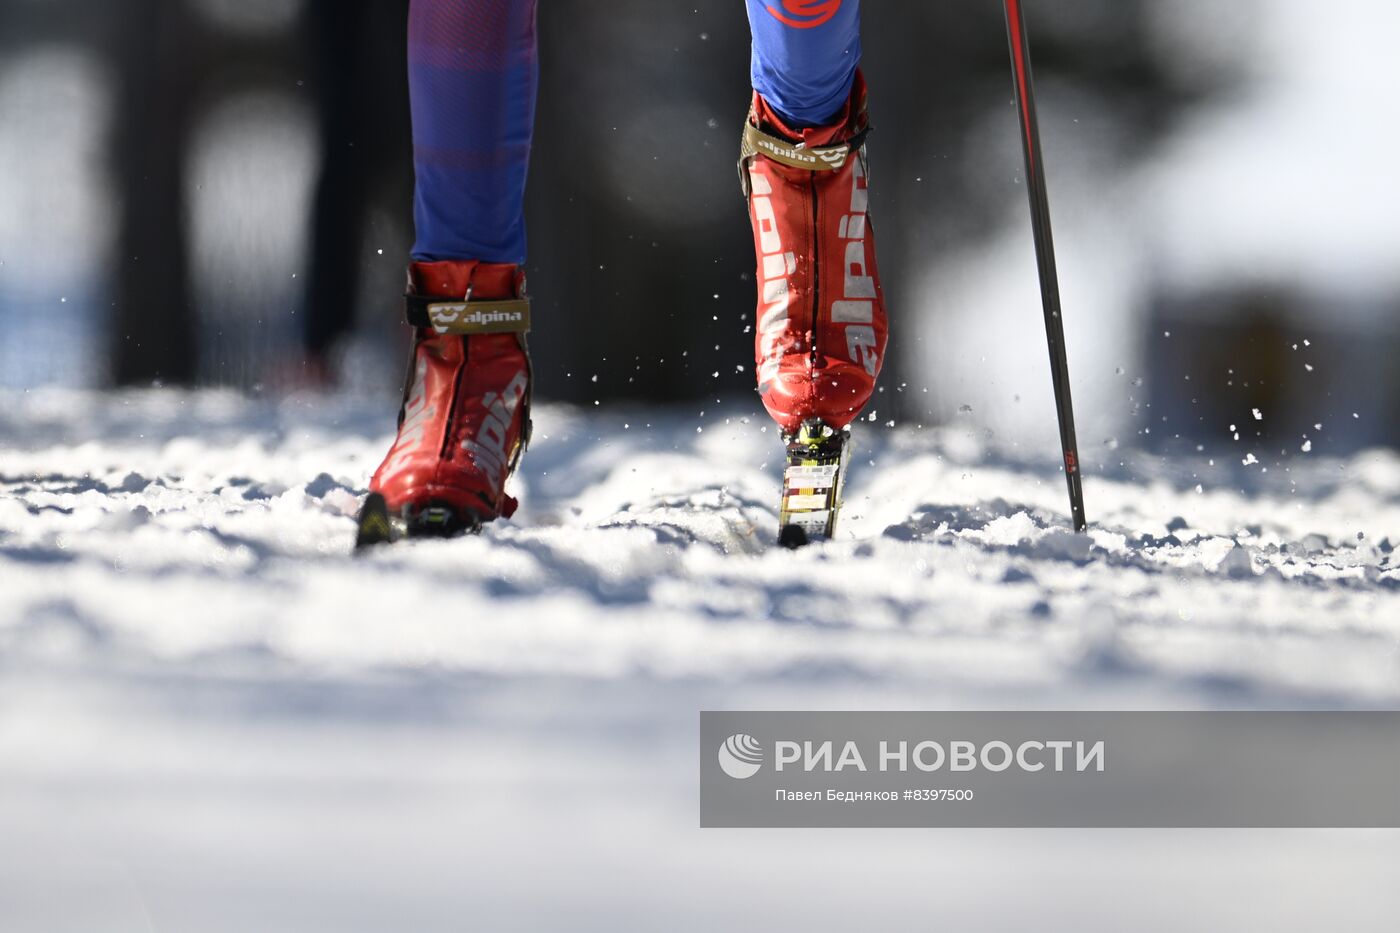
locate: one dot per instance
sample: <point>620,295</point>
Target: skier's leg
<point>805,56</point>
<point>465,419</point>
<point>821,334</point>
<point>473,69</point>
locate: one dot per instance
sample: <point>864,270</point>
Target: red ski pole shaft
<point>1045,254</point>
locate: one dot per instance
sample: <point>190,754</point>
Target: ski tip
<point>374,526</point>
<point>793,537</point>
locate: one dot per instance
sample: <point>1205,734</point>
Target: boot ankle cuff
<point>453,279</point>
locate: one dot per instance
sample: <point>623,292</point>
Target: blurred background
<point>216,192</point>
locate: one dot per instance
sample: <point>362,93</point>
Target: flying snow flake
<point>1307,447</point>
<point>1258,415</point>
<point>1250,460</point>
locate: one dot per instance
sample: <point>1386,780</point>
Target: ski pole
<point>1045,254</point>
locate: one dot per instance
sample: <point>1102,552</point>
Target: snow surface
<point>212,717</point>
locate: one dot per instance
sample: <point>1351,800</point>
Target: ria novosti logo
<point>741,756</point>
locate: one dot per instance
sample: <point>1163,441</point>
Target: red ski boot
<point>822,331</point>
<point>821,334</point>
<point>465,418</point>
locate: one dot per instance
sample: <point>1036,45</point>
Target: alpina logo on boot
<point>449,317</point>
<point>786,152</point>
<point>833,156</point>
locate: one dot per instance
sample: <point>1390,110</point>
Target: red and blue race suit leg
<point>473,68</point>
<point>805,56</point>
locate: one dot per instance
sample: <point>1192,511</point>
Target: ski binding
<point>813,478</point>
<point>378,526</point>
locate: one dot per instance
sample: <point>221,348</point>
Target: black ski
<point>813,477</point>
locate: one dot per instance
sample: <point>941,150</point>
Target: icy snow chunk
<point>1017,575</point>
<point>1010,530</point>
<point>1065,545</point>
<point>134,482</point>
<point>1313,544</point>
<point>1237,564</point>
<point>321,485</point>
<point>123,520</point>
<point>261,492</point>
<point>342,501</point>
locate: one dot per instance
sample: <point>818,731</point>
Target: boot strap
<point>470,317</point>
<point>798,155</point>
